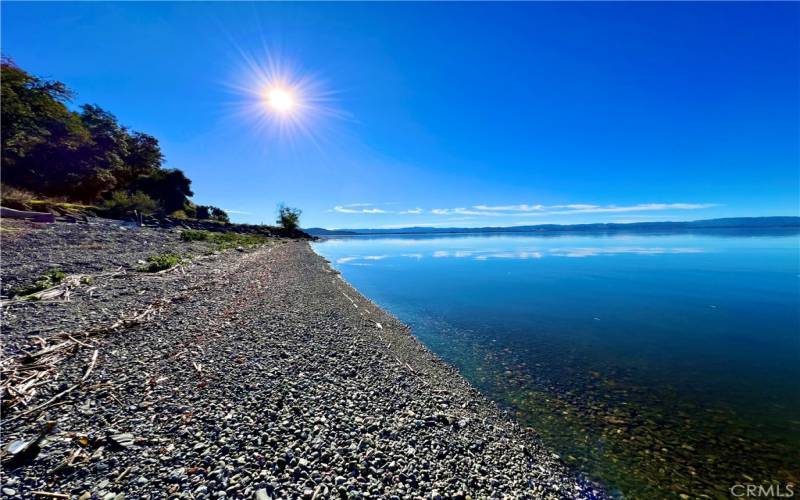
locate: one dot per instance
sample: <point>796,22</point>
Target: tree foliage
<point>85,155</point>
<point>211,213</point>
<point>289,217</point>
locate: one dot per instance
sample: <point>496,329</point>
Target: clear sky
<point>448,114</point>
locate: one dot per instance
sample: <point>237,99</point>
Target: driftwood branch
<point>21,376</point>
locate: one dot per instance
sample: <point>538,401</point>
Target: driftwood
<point>62,290</point>
<point>47,494</point>
<point>10,213</point>
<point>62,393</point>
<point>20,376</point>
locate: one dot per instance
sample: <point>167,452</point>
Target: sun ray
<point>281,102</point>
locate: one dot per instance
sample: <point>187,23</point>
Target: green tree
<point>289,217</point>
<point>50,150</point>
<point>203,212</point>
<point>122,204</point>
<point>143,157</point>
<point>41,138</point>
<point>219,214</point>
<point>170,187</point>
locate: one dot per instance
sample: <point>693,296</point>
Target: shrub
<point>161,262</point>
<point>289,217</point>
<point>208,212</point>
<point>49,279</point>
<point>190,209</point>
<point>179,214</point>
<point>121,203</point>
<point>202,212</point>
<point>194,235</point>
<point>16,198</point>
<point>218,214</point>
<point>170,187</point>
<point>225,240</point>
<point>234,240</point>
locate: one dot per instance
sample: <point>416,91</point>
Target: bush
<point>208,212</point>
<point>190,209</point>
<point>219,214</point>
<point>50,279</point>
<point>194,235</point>
<point>235,240</point>
<point>121,204</point>
<point>170,187</point>
<point>16,198</point>
<point>161,262</point>
<point>202,212</point>
<point>179,214</point>
<point>225,240</point>
<point>288,217</point>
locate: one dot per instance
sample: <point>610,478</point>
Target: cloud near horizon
<point>355,209</point>
<point>523,209</point>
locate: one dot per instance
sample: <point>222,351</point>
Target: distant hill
<point>731,222</point>
<point>321,231</point>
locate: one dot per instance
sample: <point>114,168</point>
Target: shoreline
<point>260,373</point>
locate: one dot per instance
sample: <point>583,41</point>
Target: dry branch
<point>21,375</point>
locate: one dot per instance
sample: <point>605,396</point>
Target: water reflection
<point>482,255</point>
<point>595,251</point>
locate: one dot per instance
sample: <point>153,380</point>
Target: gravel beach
<point>257,373</point>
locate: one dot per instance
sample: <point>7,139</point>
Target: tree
<point>143,157</point>
<point>122,204</point>
<point>109,144</point>
<point>170,187</point>
<point>40,136</point>
<point>202,212</point>
<point>289,217</point>
<point>219,214</point>
<point>89,156</point>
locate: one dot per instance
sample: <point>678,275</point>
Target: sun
<point>281,100</point>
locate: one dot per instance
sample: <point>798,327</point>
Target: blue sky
<point>447,114</point>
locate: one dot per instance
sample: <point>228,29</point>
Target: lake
<point>660,364</point>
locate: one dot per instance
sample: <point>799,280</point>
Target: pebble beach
<point>249,373</point>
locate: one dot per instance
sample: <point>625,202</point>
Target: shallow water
<point>660,364</point>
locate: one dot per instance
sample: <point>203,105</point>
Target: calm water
<point>660,364</point>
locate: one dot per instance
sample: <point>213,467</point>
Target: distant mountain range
<point>730,223</point>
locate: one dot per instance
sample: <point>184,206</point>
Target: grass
<point>49,279</point>
<point>225,240</point>
<point>161,262</point>
<point>64,205</point>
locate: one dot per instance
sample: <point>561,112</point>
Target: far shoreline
<point>713,225</point>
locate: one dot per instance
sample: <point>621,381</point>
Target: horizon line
<point>518,226</point>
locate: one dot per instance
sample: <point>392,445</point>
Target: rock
<point>123,440</point>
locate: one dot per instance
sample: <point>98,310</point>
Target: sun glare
<point>281,100</point>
